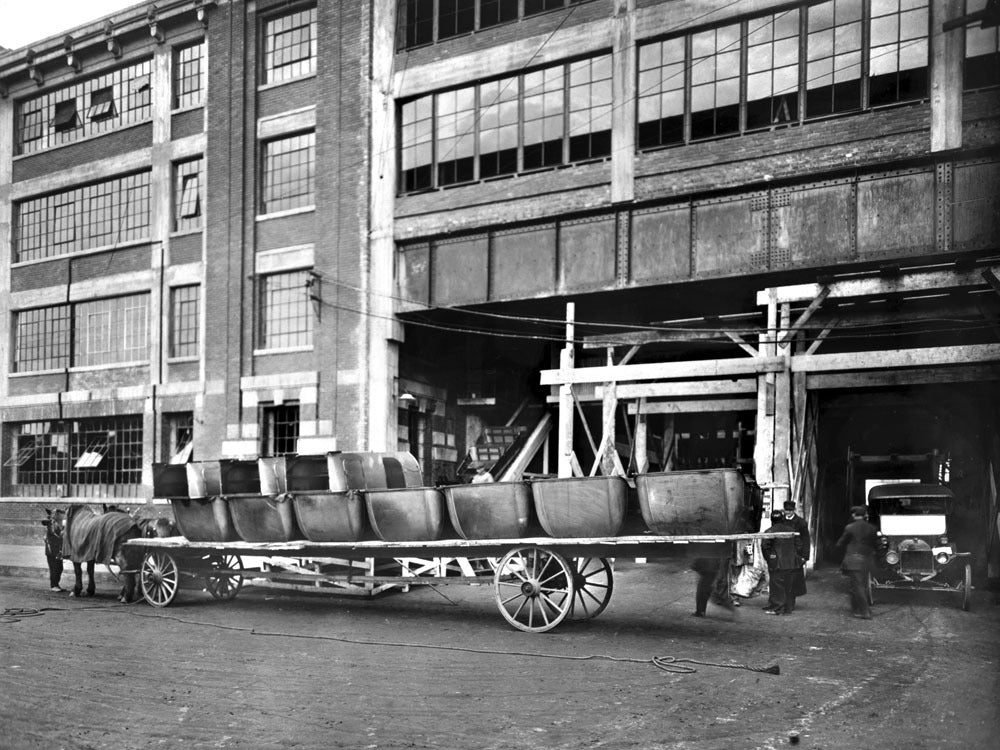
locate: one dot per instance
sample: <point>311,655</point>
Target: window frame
<point>185,322</point>
<point>284,323</point>
<point>293,68</point>
<point>274,161</point>
<point>268,422</point>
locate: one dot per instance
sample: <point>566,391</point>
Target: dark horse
<point>98,538</point>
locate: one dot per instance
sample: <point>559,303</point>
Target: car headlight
<point>942,557</point>
<point>892,557</point>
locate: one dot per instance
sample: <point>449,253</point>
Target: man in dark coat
<point>798,523</point>
<point>783,557</point>
<point>860,542</point>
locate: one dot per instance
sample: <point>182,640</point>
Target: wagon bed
<point>538,581</point>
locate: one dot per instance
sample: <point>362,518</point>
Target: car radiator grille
<point>916,561</point>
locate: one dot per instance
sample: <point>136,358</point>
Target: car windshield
<point>913,506</point>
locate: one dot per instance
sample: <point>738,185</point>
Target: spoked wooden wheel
<point>225,586</point>
<point>869,588</point>
<point>159,578</point>
<point>593,582</point>
<point>533,588</point>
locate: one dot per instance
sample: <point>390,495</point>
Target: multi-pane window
<point>189,69</point>
<point>290,45</point>
<point>105,331</point>
<point>76,458</point>
<point>279,429</point>
<point>104,213</point>
<point>773,70</point>
<point>590,108</point>
<point>289,166</point>
<point>748,75</point>
<point>425,21</point>
<point>498,128</point>
<point>545,118</point>
<point>98,105</point>
<point>833,57</point>
<point>455,116</point>
<point>417,151</point>
<point>110,331</point>
<point>184,320</point>
<point>899,51</point>
<point>178,436</point>
<point>187,195</point>
<point>982,51</point>
<point>285,316</point>
<point>42,339</point>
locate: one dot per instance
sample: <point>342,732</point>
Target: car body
<point>916,549</point>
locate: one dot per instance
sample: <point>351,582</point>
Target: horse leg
<point>91,590</point>
<point>78,575</point>
<point>127,593</point>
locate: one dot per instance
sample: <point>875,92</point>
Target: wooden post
<point>641,448</point>
<point>609,456</point>
<point>566,360</point>
<point>782,421</point>
<point>763,452</point>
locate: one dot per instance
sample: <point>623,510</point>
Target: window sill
<point>40,373</point>
<point>186,232</point>
<point>287,350</point>
<point>80,253</point>
<point>110,366</point>
<point>286,212</point>
<point>188,108</point>
<point>183,360</point>
<point>285,81</point>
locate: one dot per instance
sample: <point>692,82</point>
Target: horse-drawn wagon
<point>361,523</point>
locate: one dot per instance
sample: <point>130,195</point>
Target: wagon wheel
<point>533,588</point>
<point>224,586</point>
<point>967,589</point>
<point>159,578</point>
<point>869,587</point>
<point>593,582</point>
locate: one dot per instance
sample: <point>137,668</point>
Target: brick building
<point>256,228</point>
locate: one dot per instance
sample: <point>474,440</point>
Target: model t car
<point>917,551</point>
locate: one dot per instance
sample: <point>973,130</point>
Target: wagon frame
<point>538,582</point>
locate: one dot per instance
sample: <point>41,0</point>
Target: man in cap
<point>860,541</point>
<point>783,556</point>
<point>798,523</point>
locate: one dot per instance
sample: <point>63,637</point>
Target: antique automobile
<point>917,551</point>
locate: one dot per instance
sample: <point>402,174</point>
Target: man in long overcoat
<point>860,542</point>
<point>783,557</point>
<point>798,523</point>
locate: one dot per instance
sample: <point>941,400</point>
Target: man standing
<point>53,547</point>
<point>799,524</point>
<point>860,542</point>
<point>783,557</point>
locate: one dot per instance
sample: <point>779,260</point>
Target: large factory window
<point>982,51</point>
<point>542,119</point>
<point>289,173</point>
<point>187,195</point>
<point>98,215</point>
<point>749,75</point>
<point>285,315</point>
<point>85,334</point>
<point>98,457</point>
<point>42,338</point>
<point>421,22</point>
<point>189,70</point>
<point>185,321</point>
<point>98,105</point>
<point>290,46</point>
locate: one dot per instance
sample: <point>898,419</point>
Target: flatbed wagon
<point>538,582</point>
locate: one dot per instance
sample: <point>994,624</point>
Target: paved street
<point>441,669</point>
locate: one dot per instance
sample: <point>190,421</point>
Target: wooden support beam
<point>805,315</point>
<point>872,286</point>
<point>706,368</point>
<point>934,356</point>
<point>820,337</point>
<point>586,427</point>
<point>738,340</point>
<point>922,376</point>
<point>566,458</point>
<point>704,388</point>
<point>708,328</point>
<point>694,406</point>
<point>629,354</point>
